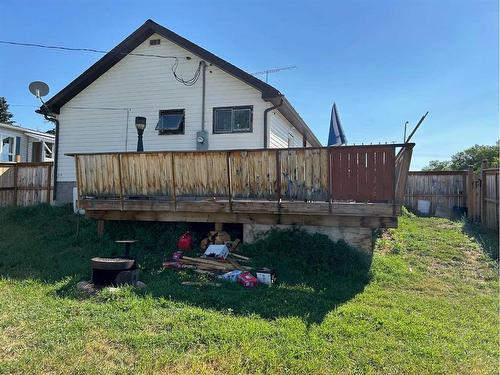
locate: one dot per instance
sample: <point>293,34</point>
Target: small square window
<point>171,122</point>
<point>154,42</point>
<point>232,119</point>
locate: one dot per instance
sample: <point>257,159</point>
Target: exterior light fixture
<point>140,125</point>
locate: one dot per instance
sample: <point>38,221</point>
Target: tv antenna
<point>274,70</point>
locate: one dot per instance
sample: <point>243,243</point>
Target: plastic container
<point>423,206</point>
<point>185,242</point>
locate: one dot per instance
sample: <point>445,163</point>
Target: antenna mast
<point>274,70</point>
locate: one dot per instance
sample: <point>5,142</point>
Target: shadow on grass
<point>315,275</point>
<point>486,238</point>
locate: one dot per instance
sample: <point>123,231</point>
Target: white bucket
<point>77,210</point>
<point>423,206</point>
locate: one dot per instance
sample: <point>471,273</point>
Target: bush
<point>298,255</point>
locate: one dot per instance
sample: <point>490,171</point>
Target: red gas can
<point>185,242</point>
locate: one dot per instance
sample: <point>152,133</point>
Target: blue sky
<point>383,62</point>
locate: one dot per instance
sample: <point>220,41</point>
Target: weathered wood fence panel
<point>197,175</point>
<point>478,192</point>
<point>491,180</point>
<point>25,184</point>
<point>304,174</point>
<point>326,174</point>
<point>146,175</point>
<point>444,190</point>
<point>253,174</point>
<point>7,178</point>
<point>106,181</point>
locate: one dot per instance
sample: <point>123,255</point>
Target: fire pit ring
<point>112,264</point>
<point>114,271</point>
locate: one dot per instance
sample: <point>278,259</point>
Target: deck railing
<point>349,173</point>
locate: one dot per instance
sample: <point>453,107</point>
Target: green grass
<point>426,303</point>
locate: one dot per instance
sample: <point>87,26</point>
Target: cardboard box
<point>247,280</point>
<point>266,276</point>
<point>231,276</point>
<point>217,251</point>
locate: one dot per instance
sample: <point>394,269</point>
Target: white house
<point>191,100</point>
<point>20,144</point>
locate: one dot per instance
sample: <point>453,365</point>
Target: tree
<point>437,165</point>
<point>5,115</point>
<point>472,156</point>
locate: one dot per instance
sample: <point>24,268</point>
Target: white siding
<point>146,85</point>
<point>280,131</point>
<point>4,132</point>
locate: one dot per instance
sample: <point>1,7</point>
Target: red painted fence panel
<point>362,174</point>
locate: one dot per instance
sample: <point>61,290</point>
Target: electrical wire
<point>73,107</point>
<point>186,82</point>
<point>85,50</point>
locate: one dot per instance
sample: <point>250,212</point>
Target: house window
<point>49,151</point>
<point>171,122</point>
<point>233,119</point>
<point>7,149</point>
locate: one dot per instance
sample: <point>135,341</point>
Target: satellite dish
<point>39,88</point>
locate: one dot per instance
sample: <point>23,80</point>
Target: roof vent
<point>154,42</point>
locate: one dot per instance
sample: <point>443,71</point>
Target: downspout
<point>56,147</point>
<point>265,119</point>
<point>203,74</point>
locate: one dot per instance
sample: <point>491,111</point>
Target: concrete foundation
<point>362,238</point>
<point>65,192</point>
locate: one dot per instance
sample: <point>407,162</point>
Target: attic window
<point>171,122</point>
<point>154,42</point>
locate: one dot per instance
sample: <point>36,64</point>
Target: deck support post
<point>218,227</point>
<point>100,228</point>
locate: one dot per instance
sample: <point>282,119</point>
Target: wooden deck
<point>360,186</point>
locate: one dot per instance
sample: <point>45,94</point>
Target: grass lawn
<point>426,303</point>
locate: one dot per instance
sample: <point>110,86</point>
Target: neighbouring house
<point>20,144</point>
<point>191,99</point>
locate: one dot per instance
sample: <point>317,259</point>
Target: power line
<point>73,107</point>
<point>92,50</point>
<point>186,82</point>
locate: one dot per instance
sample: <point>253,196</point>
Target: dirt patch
<point>447,225</point>
<point>385,243</point>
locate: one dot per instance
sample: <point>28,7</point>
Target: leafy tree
<point>472,156</point>
<point>5,115</point>
<point>438,165</point>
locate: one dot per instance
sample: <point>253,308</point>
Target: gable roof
<point>27,131</point>
<point>269,93</point>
